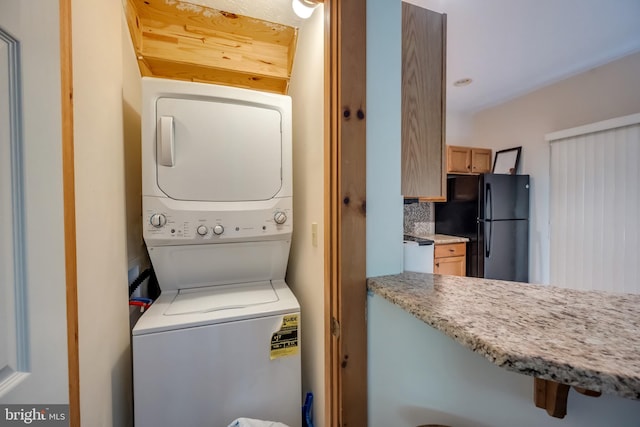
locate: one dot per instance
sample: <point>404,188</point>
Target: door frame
<point>68,188</point>
<point>345,212</point>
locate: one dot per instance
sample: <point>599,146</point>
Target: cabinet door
<point>423,103</point>
<point>450,259</point>
<point>453,266</point>
<point>458,159</point>
<point>480,160</point>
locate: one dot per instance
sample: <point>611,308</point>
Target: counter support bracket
<point>552,396</point>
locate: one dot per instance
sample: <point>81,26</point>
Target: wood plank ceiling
<point>184,41</point>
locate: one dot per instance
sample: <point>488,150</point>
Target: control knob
<point>158,220</point>
<point>218,230</point>
<point>280,217</point>
<point>202,230</point>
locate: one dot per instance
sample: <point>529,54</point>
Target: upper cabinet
<point>468,159</point>
<point>423,103</point>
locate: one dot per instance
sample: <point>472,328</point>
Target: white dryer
<point>223,340</point>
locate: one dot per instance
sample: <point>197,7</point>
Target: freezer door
<point>503,197</point>
<point>503,248</point>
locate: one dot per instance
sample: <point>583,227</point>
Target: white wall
<point>105,371</point>
<point>131,116</point>
<point>602,93</point>
<point>305,274</point>
<point>384,201</point>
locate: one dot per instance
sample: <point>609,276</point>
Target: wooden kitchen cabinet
<point>423,103</point>
<point>468,159</point>
<point>450,258</point>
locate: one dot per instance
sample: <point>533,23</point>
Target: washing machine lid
<point>218,149</point>
<point>156,319</point>
<point>223,297</point>
<point>202,266</point>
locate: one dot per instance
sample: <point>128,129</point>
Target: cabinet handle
<point>451,250</point>
<point>437,264</point>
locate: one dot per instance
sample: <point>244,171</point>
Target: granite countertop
<point>588,339</point>
<point>440,239</point>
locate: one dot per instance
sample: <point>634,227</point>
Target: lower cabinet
<point>450,259</point>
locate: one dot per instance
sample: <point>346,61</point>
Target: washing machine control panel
<point>170,222</point>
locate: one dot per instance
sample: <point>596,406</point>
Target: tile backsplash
<point>419,218</point>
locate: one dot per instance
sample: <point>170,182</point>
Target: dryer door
<point>218,150</point>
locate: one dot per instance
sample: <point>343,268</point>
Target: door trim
<point>345,213</point>
<point>68,185</point>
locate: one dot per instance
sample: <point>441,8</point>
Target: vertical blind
<point>595,206</point>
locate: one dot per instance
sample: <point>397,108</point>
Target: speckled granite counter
<point>585,339</point>
<point>441,239</point>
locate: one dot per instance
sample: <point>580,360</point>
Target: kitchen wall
<point>305,274</point>
<point>384,202</point>
<point>105,370</point>
<point>602,93</point>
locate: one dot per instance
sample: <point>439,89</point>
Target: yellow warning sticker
<point>284,342</point>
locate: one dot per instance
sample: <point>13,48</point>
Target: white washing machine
<point>223,339</point>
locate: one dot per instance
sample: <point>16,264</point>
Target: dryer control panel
<point>166,225</point>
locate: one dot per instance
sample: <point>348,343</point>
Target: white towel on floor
<point>249,422</point>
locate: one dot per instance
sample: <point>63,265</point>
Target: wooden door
<point>33,314</point>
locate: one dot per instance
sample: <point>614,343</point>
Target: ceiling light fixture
<point>304,8</point>
<point>462,82</point>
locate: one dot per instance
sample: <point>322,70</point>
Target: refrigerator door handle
<point>488,197</point>
<point>488,238</point>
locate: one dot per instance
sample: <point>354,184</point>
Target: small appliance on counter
<point>418,254</point>
<point>492,211</point>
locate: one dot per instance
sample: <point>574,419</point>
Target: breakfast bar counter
<point>586,339</point>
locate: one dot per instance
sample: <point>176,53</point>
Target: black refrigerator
<point>492,211</point>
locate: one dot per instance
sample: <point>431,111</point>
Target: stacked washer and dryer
<point>222,341</point>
